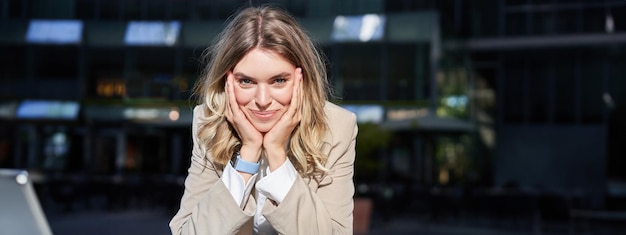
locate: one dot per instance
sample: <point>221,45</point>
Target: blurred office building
<point>467,109</point>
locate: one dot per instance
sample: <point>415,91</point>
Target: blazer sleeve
<point>324,208</point>
<point>207,206</point>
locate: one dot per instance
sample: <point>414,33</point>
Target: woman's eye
<point>245,81</point>
<point>280,80</point>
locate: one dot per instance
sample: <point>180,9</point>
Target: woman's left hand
<point>274,141</point>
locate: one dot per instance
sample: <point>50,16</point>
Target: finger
<point>300,86</point>
<point>227,111</point>
<point>296,85</point>
<point>298,94</point>
<point>230,97</point>
<point>293,104</point>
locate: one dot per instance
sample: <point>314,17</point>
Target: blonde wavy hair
<point>272,29</point>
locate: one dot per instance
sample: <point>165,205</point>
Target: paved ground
<point>100,220</point>
<point>118,223</point>
<point>410,225</point>
<point>155,223</point>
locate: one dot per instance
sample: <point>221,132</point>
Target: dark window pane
<point>55,62</point>
<point>359,67</point>
<point>513,93</point>
<point>538,91</point>
<point>565,89</point>
<point>594,72</point>
<point>402,67</point>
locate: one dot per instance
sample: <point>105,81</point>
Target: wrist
<point>275,158</point>
<point>244,166</point>
<point>250,153</point>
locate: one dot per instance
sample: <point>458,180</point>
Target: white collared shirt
<point>269,185</point>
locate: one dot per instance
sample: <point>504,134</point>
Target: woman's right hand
<point>251,138</point>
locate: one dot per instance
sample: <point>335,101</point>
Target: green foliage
<point>370,139</point>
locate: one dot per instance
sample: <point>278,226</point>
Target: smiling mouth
<point>264,115</point>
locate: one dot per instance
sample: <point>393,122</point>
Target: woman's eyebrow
<point>241,75</point>
<point>281,75</point>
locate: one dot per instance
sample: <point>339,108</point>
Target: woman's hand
<point>251,138</point>
<point>275,140</point>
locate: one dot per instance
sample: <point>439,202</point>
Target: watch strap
<point>245,166</point>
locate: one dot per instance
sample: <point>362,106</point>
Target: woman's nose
<point>263,97</point>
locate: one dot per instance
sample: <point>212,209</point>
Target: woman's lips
<point>263,115</point>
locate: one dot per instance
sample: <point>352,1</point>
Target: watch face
<point>233,161</point>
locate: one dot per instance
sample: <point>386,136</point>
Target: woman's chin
<point>264,127</point>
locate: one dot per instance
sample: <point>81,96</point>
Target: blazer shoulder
<point>199,110</point>
<point>338,117</point>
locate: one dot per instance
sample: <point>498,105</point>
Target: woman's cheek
<point>243,97</point>
<point>284,97</point>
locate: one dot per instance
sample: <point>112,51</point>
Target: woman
<point>270,154</point>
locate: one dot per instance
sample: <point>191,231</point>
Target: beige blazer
<point>310,207</point>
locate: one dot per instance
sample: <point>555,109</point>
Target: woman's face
<point>263,87</point>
